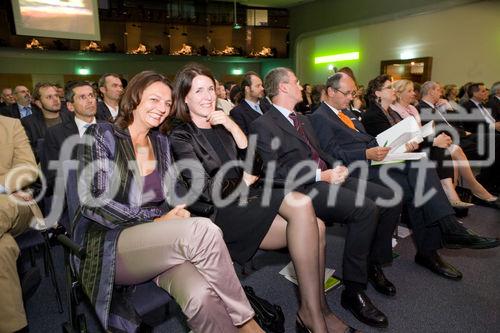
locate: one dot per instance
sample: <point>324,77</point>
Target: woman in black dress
<point>204,143</point>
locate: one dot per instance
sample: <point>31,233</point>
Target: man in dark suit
<point>111,89</point>
<point>6,98</point>
<point>250,107</point>
<point>45,114</point>
<point>483,118</point>
<point>22,107</point>
<point>341,135</point>
<point>81,101</point>
<point>494,101</point>
<point>464,124</point>
<point>286,140</point>
<point>478,95</point>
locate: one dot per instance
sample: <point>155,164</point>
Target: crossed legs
<point>189,260</point>
<point>297,227</point>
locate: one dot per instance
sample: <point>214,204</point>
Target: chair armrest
<point>73,247</point>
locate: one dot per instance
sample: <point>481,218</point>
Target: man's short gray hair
<point>426,87</point>
<point>274,78</point>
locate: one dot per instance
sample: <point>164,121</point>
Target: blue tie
<point>25,111</point>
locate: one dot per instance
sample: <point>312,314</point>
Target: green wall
<point>49,64</point>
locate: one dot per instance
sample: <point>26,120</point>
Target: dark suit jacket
<point>243,114</point>
<point>11,111</point>
<point>494,105</point>
<point>36,128</point>
<point>456,125</point>
<point>189,143</point>
<point>339,140</point>
<point>375,121</point>
<point>103,112</point>
<point>292,149</point>
<point>472,126</point>
<point>54,139</point>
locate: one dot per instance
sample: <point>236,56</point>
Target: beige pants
<point>189,259</point>
<point>14,220</point>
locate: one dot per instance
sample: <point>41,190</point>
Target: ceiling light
<point>337,57</point>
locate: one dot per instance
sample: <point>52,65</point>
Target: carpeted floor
<point>424,301</point>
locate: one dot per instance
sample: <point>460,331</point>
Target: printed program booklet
<point>330,281</point>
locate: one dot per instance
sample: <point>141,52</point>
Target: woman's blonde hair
<point>400,86</point>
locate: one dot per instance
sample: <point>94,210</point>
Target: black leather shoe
<point>491,204</point>
<point>470,240</point>
<point>378,280</point>
<point>437,265</point>
<point>363,309</point>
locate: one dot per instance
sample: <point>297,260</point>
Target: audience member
<point>438,212</point>
<point>250,107</point>
<point>22,107</point>
<point>111,88</point>
<point>133,235</point>
<point>494,101</point>
<point>18,169</point>
<point>229,85</point>
<point>222,102</point>
<point>478,95</point>
<point>6,98</point>
<point>318,96</point>
<point>404,98</point>
<point>462,93</point>
<point>284,220</point>
<point>287,140</point>
<point>305,107</point>
<point>45,114</point>
<point>81,102</point>
<point>236,95</point>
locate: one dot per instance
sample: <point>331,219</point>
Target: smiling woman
<point>134,234</point>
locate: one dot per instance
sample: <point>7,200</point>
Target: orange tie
<point>346,120</point>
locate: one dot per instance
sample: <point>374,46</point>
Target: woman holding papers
<point>381,116</point>
<point>405,96</point>
<point>205,143</point>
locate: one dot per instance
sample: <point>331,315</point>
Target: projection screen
<point>72,19</point>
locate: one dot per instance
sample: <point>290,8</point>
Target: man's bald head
<point>22,95</point>
<point>340,90</point>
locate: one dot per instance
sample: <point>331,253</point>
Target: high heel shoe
<point>494,203</point>
<point>301,327</point>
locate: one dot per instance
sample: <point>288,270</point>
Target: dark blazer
<point>292,149</point>
<point>494,105</point>
<point>472,126</point>
<point>36,128</point>
<point>243,115</point>
<point>54,140</point>
<point>456,125</point>
<point>11,111</point>
<point>375,121</point>
<point>103,112</point>
<point>98,226</point>
<point>189,143</point>
<point>339,140</point>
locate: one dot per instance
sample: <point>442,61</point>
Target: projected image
<point>57,18</point>
<point>69,15</point>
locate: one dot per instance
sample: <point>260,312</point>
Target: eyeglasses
<point>347,93</point>
<point>387,87</point>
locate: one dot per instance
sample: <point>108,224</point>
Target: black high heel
<point>300,326</point>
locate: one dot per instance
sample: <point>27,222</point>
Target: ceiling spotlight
<point>236,26</point>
